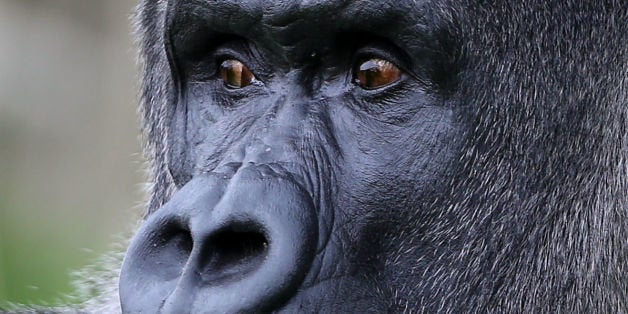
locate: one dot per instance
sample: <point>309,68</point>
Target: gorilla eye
<point>375,73</point>
<point>235,74</point>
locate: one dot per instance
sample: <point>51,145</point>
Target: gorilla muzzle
<point>231,241</point>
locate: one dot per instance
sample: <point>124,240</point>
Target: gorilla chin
<point>382,156</point>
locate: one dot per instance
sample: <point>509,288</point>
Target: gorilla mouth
<point>340,294</point>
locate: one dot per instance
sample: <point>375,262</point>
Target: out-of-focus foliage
<point>70,165</point>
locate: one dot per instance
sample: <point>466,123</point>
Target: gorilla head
<point>385,156</point>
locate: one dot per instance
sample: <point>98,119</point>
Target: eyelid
<point>224,54</point>
<point>384,52</point>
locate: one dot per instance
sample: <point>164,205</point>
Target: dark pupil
<point>232,76</point>
<point>376,73</point>
<point>235,74</point>
<point>370,71</point>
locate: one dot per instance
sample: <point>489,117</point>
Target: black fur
<point>535,218</point>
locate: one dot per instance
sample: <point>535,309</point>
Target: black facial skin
<point>491,176</point>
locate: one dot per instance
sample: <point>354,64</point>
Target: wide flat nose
<point>224,245</point>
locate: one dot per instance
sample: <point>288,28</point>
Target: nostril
<point>168,250</point>
<point>180,242</point>
<point>232,247</point>
<point>233,252</point>
<point>243,245</point>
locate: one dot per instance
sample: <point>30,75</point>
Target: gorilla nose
<point>224,243</point>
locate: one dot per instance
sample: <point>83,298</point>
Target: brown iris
<point>375,73</point>
<point>236,74</point>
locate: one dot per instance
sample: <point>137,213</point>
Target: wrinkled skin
<point>491,175</point>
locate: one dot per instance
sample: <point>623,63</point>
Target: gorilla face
<point>352,156</point>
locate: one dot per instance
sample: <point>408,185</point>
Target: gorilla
<point>382,156</point>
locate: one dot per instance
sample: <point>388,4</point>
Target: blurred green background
<point>70,162</point>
